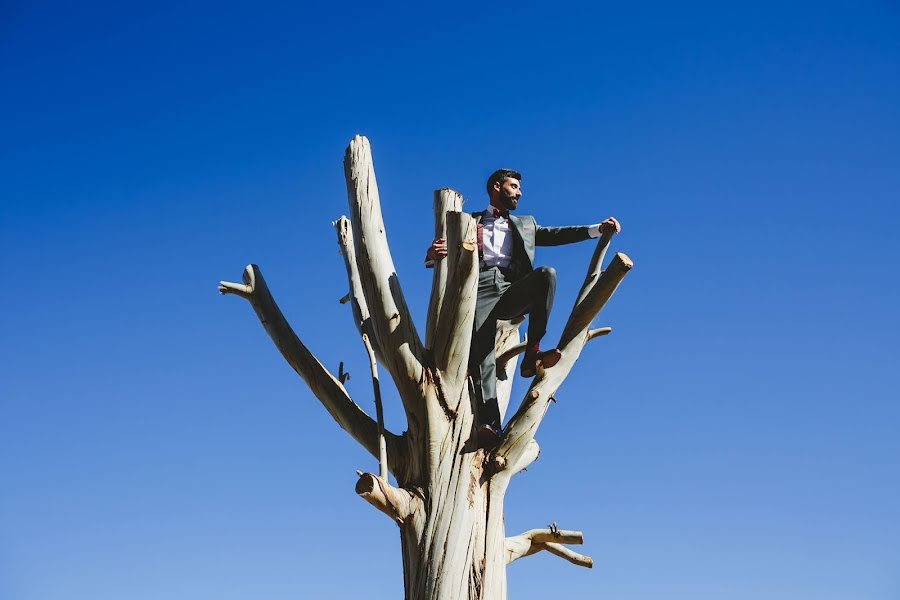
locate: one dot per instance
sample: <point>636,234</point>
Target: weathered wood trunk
<point>450,493</point>
<point>447,551</point>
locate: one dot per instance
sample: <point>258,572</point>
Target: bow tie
<point>500,213</point>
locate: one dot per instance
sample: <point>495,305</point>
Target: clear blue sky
<point>735,438</point>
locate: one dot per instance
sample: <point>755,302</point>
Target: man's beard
<point>508,202</point>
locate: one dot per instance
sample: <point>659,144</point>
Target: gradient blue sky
<point>737,437</point>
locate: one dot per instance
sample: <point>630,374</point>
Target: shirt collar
<point>489,213</point>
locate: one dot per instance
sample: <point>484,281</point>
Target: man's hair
<point>501,175</point>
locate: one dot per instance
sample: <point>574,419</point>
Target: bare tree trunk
<point>449,497</point>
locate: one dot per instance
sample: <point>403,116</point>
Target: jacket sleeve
<point>557,236</point>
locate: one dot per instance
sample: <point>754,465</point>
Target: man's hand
<point>610,225</point>
<point>437,250</point>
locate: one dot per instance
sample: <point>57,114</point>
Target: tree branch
<point>507,337</point>
<point>560,536</point>
<point>594,266</point>
<point>379,414</point>
<point>595,292</point>
<point>445,200</point>
<point>329,391</point>
<point>599,332</point>
<point>519,348</point>
<point>592,296</point>
<point>551,540</point>
<point>397,503</point>
<point>453,333</point>
<point>570,555</point>
<point>531,454</point>
<point>401,349</point>
<point>357,299</point>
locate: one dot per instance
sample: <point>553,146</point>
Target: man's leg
<point>533,295</point>
<point>486,376</point>
<point>482,363</point>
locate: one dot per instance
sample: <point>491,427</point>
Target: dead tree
<point>448,501</point>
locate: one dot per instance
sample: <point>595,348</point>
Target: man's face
<point>509,193</point>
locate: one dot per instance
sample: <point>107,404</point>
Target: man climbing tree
<point>510,287</point>
<point>448,500</point>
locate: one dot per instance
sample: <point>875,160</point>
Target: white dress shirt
<point>498,242</point>
<point>497,239</point>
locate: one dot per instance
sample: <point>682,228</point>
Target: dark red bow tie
<point>501,213</point>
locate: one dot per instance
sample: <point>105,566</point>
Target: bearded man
<point>509,286</point>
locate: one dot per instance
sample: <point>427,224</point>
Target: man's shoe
<point>488,436</point>
<point>548,359</point>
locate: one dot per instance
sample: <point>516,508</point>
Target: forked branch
<point>598,287</point>
<point>551,540</point>
<point>329,391</point>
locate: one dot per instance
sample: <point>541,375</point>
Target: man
<point>509,286</point>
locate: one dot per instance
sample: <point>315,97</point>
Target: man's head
<point>504,187</point>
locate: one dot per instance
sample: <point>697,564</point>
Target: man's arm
<point>557,236</point>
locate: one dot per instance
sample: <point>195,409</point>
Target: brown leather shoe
<point>548,358</point>
<point>488,436</point>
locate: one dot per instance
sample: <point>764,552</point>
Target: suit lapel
<point>524,235</point>
<point>517,226</point>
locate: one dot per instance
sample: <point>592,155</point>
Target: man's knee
<point>548,273</point>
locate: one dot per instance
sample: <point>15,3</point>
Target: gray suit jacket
<point>527,234</point>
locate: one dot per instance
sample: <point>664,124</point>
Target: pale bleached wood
<point>517,547</point>
<point>599,332</point>
<point>495,538</point>
<point>395,502</point>
<point>453,333</point>
<point>551,540</point>
<point>395,332</point>
<point>379,412</point>
<point>570,555</point>
<point>595,292</point>
<point>344,230</point>
<point>595,266</point>
<point>329,391</point>
<point>507,337</point>
<point>445,200</point>
<point>509,353</point>
<point>561,536</point>
<point>586,308</point>
<point>531,454</point>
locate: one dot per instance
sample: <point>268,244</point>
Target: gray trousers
<point>498,300</point>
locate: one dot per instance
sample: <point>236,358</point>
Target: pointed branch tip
<point>598,332</point>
